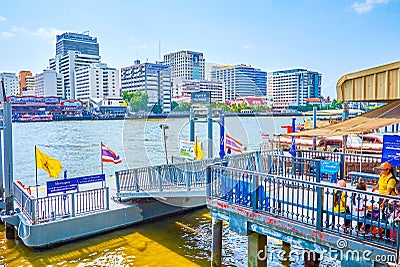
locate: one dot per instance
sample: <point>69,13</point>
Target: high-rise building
<point>11,84</point>
<point>97,81</point>
<point>82,43</point>
<point>154,79</point>
<point>48,83</point>
<point>74,51</point>
<point>67,65</point>
<point>187,65</point>
<point>240,80</point>
<point>186,87</point>
<point>291,88</point>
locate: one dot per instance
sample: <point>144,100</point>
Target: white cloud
<point>367,5</point>
<point>49,33</point>
<point>2,18</point>
<point>6,35</point>
<point>247,46</point>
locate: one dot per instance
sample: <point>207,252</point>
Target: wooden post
<point>257,250</point>
<point>311,258</point>
<point>216,252</point>
<point>286,247</point>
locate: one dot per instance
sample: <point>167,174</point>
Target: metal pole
<point>8,167</point>
<point>191,125</point>
<point>314,143</point>
<point>36,175</point>
<point>222,137</point>
<point>164,127</point>
<point>210,135</point>
<point>1,170</point>
<point>101,157</point>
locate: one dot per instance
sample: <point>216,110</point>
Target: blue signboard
<point>91,179</point>
<point>61,186</point>
<point>330,167</point>
<point>391,149</point>
<point>72,183</point>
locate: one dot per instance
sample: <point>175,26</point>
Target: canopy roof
<point>375,119</point>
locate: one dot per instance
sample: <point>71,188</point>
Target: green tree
<point>137,100</point>
<point>156,109</point>
<point>184,107</point>
<point>174,105</point>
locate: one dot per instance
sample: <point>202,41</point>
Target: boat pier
<point>290,199</point>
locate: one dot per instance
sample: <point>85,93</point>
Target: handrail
<point>61,206</point>
<point>309,202</point>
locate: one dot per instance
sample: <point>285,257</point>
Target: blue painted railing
<point>189,175</point>
<point>309,202</point>
<point>56,207</point>
<point>181,176</point>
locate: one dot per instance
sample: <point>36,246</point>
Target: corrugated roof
<point>375,119</point>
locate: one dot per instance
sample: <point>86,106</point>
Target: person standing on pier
<point>340,207</point>
<point>386,183</point>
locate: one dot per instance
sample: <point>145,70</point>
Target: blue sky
<point>333,37</point>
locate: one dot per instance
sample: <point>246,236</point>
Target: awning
<point>375,119</point>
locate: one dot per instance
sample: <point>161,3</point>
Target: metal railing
<point>181,176</point>
<point>188,175</point>
<point>56,207</point>
<point>362,215</point>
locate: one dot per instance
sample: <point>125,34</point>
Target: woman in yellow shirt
<point>387,181</point>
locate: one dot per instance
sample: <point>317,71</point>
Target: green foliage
<point>184,107</point>
<point>137,100</point>
<point>174,105</point>
<point>156,109</point>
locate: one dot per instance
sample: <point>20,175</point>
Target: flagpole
<point>37,188</point>
<point>36,176</point>
<point>101,156</point>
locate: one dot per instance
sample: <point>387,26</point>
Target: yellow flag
<point>198,152</point>
<point>47,163</point>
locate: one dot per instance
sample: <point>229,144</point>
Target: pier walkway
<point>288,199</point>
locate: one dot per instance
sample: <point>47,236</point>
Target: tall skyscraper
<point>240,80</point>
<point>291,88</point>
<point>74,51</point>
<point>154,79</point>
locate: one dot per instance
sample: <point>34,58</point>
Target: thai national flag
<point>233,144</point>
<point>107,155</point>
<point>264,135</point>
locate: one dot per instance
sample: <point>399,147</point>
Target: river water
<point>182,240</point>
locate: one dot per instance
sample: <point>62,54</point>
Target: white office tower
<point>187,65</point>
<point>11,83</point>
<point>97,81</point>
<point>289,89</point>
<point>74,51</point>
<point>186,87</point>
<point>49,83</point>
<point>240,80</point>
<point>153,79</point>
<point>67,65</point>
